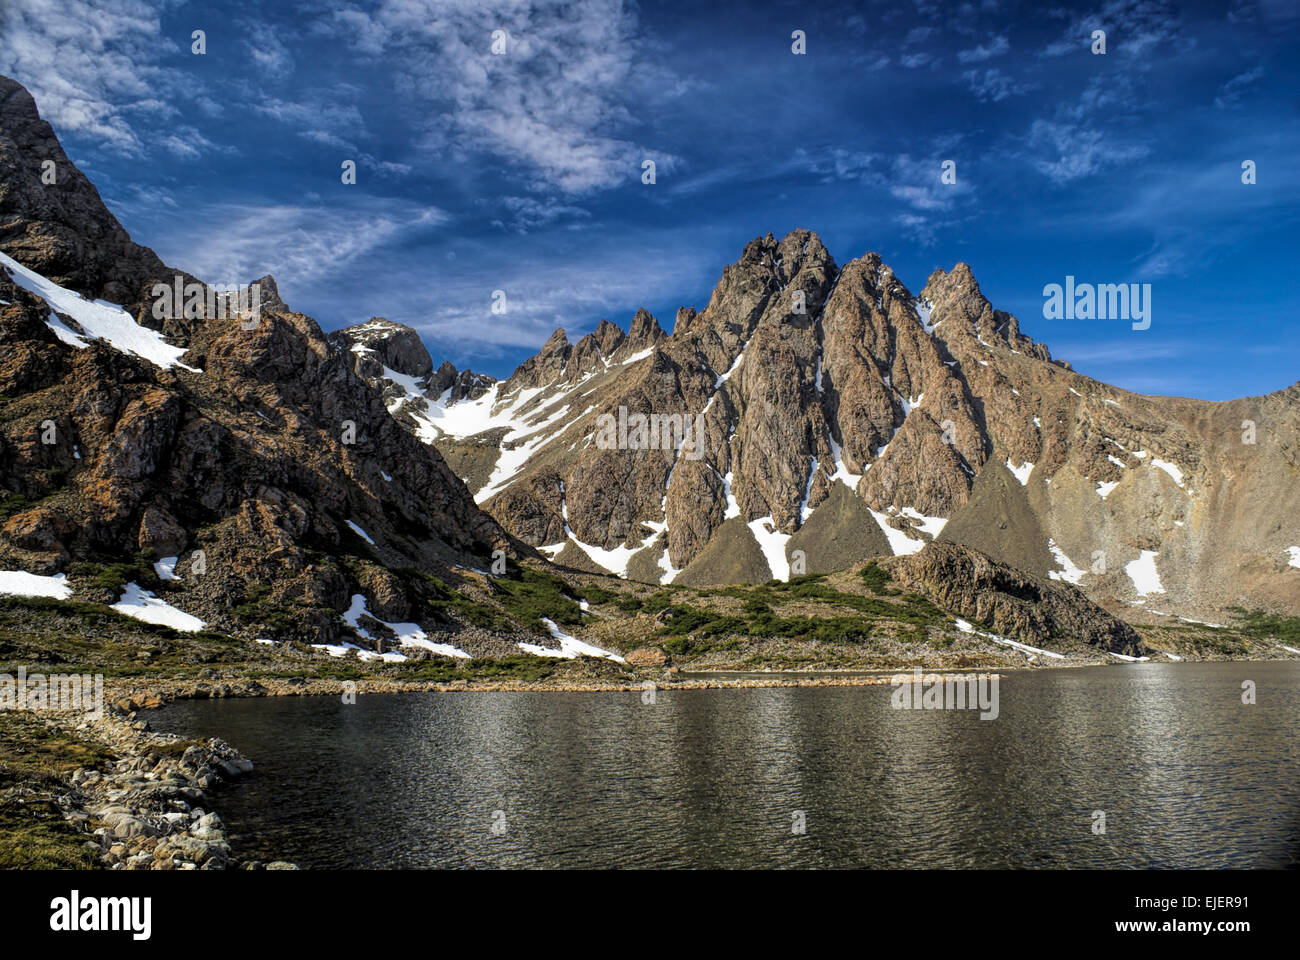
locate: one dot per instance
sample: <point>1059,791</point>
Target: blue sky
<point>522,171</point>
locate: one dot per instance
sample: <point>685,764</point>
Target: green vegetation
<point>694,629</point>
<point>876,579</point>
<point>524,594</point>
<point>521,666</point>
<point>256,610</point>
<point>528,595</point>
<point>1267,626</point>
<point>110,576</point>
<point>600,595</point>
<point>630,603</point>
<point>14,503</point>
<point>443,601</point>
<point>33,833</point>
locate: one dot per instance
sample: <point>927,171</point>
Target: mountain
<point>215,465</point>
<point>243,467</point>
<point>843,416</point>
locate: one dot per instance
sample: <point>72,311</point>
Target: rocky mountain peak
<point>52,218</point>
<point>252,459</point>
<point>392,345</point>
<point>841,416</point>
<point>644,331</point>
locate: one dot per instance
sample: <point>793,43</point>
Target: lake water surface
<point>1186,774</point>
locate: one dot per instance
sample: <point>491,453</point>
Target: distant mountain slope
<point>267,477</point>
<point>931,408</point>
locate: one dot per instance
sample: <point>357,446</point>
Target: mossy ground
<point>37,758</point>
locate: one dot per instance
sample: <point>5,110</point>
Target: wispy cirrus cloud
<point>985,51</point>
<point>992,85</point>
<point>303,242</point>
<point>1134,28</point>
<point>525,214</point>
<point>90,64</point>
<point>1066,152</point>
<point>1231,92</point>
<point>558,96</point>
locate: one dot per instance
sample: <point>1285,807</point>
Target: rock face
<point>62,229</point>
<point>931,409</point>
<point>1039,612</point>
<point>259,457</point>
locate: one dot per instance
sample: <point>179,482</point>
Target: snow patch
<point>850,480</point>
<point>1104,487</point>
<point>639,355</point>
<point>1068,572</point>
<point>899,542</point>
<point>1021,472</point>
<point>1143,573</point>
<point>733,506</point>
<point>361,533</point>
<point>166,568</point>
<point>341,649</point>
<point>965,627</point>
<point>408,634</point>
<point>19,584</point>
<point>1170,468</point>
<point>772,542</point>
<point>1294,556</point>
<point>570,646</point>
<point>804,511</point>
<point>923,310</point>
<point>143,605</point>
<point>100,319</point>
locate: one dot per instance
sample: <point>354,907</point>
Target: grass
<point>600,595</point>
<point>112,575</point>
<point>528,595</point>
<point>876,579</point>
<point>33,833</point>
<point>849,618</point>
<point>443,602</point>
<point>1267,626</point>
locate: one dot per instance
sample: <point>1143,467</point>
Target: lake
<point>1184,772</point>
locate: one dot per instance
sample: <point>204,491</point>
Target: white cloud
<point>299,244</point>
<point>1231,92</point>
<point>992,84</point>
<point>268,50</point>
<point>557,100</point>
<point>1133,29</point>
<point>556,293</point>
<point>981,52</point>
<point>1068,151</point>
<point>523,214</point>
<point>917,181</point>
<point>87,63</point>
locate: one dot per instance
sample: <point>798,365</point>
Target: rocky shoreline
<point>155,694</point>
<point>151,809</point>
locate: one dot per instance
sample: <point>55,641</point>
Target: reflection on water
<point>1187,775</point>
